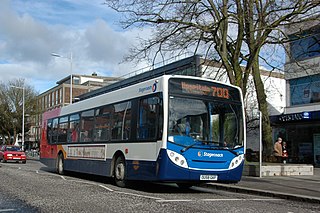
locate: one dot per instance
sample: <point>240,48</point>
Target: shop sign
<point>295,117</point>
<point>291,117</point>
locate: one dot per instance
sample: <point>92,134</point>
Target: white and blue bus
<point>181,129</point>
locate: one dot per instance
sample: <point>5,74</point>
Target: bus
<point>180,129</point>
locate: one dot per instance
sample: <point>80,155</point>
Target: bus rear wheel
<point>60,165</point>
<point>120,172</point>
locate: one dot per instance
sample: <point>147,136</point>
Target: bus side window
<point>63,129</point>
<point>147,118</point>
<point>87,125</point>
<point>54,136</point>
<point>49,131</point>
<point>102,130</point>
<point>73,132</point>
<point>121,121</point>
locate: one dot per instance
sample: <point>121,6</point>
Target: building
<point>59,96</point>
<point>299,124</point>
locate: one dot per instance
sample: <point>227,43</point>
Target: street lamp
<point>71,78</point>
<point>22,142</point>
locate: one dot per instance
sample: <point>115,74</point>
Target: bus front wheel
<point>60,165</point>
<point>120,172</point>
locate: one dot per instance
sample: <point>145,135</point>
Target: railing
<point>32,153</point>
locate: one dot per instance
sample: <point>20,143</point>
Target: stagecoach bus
<point>181,129</point>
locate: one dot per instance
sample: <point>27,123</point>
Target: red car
<point>12,153</point>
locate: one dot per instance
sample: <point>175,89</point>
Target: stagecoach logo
<point>152,88</point>
<point>207,154</point>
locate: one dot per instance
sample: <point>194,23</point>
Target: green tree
<point>11,108</point>
<point>231,31</point>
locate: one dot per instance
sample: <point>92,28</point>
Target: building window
<point>305,90</point>
<point>76,80</point>
<point>57,97</point>
<point>52,99</point>
<point>49,100</point>
<point>305,45</point>
<point>60,97</point>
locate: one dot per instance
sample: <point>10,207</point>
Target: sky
<point>30,30</point>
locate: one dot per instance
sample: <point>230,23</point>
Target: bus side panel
<point>142,170</point>
<point>96,167</point>
<point>49,162</point>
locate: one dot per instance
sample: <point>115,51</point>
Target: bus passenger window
<point>63,128</point>
<point>103,123</point>
<point>73,132</point>
<point>147,118</point>
<point>121,121</point>
<point>54,137</point>
<point>87,125</point>
<point>49,131</point>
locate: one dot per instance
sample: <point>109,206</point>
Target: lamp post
<point>71,78</point>
<point>22,140</point>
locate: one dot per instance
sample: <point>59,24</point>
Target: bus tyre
<point>120,172</point>
<point>60,165</point>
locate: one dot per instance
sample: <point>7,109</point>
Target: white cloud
<point>30,30</point>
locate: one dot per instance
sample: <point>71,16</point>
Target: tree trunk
<point>263,107</point>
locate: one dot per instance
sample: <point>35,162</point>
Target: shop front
<point>301,131</point>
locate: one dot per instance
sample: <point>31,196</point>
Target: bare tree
<point>11,104</point>
<point>231,31</point>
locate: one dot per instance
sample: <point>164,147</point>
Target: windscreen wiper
<point>188,147</point>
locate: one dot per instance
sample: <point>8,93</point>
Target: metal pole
<point>23,118</point>
<point>71,78</point>
<point>260,145</point>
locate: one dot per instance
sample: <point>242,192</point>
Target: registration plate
<point>208,177</point>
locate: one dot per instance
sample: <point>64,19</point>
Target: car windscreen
<point>13,148</point>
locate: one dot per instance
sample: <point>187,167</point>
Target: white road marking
<point>162,201</point>
<point>138,195</point>
<point>7,210</point>
<point>110,190</point>
<point>218,200</point>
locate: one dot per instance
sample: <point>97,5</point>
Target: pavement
<point>301,188</point>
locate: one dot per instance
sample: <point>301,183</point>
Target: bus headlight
<point>236,161</point>
<point>177,159</point>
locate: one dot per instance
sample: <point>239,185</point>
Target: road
<point>32,187</point>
